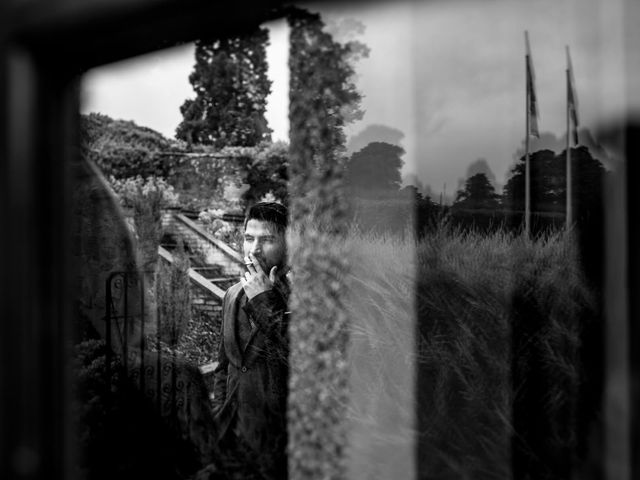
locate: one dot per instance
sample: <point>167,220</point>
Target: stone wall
<point>213,250</point>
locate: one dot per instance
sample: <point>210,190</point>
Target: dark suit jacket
<point>250,383</point>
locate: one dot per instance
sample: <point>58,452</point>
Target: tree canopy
<point>375,167</point>
<point>268,173</point>
<point>123,149</point>
<point>231,86</point>
<point>478,193</point>
<point>323,97</point>
<point>549,182</point>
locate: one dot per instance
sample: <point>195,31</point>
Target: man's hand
<point>255,280</point>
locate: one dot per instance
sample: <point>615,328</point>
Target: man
<point>250,381</point>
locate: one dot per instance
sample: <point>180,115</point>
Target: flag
<point>532,104</point>
<point>572,99</point>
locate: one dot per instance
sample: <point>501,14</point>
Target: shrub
<point>120,435</point>
<point>173,293</point>
<point>135,192</point>
<point>146,197</point>
<point>228,232</point>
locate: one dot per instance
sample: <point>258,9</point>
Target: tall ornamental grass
<point>463,354</point>
<point>380,306</point>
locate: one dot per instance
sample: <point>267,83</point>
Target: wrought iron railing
<point>127,312</point>
<point>144,372</point>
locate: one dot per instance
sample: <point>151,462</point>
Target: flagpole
<point>531,109</point>
<point>527,191</point>
<point>569,212</point>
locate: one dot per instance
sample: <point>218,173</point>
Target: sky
<point>151,88</point>
<point>444,79</point>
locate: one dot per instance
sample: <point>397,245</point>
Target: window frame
<point>45,46</point>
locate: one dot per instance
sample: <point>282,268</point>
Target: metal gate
<point>144,365</point>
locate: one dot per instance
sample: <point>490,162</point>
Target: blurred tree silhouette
<point>412,193</point>
<point>267,173</point>
<point>323,95</point>
<point>375,167</point>
<point>123,149</point>
<point>477,193</point>
<point>548,183</point>
<point>231,85</point>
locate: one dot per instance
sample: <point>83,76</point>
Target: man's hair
<point>268,212</point>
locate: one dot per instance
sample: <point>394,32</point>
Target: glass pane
<point>448,305</point>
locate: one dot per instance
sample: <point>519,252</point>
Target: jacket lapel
<point>230,311</point>
<point>254,330</point>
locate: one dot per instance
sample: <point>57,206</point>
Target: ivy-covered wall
<point>320,90</point>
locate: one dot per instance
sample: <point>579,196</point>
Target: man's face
<point>263,240</point>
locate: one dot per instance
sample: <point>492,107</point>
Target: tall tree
<point>231,86</point>
<point>548,182</point>
<point>478,192</point>
<point>323,96</point>
<point>479,166</point>
<point>376,167</point>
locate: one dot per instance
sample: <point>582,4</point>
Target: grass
<point>463,354</point>
<point>482,331</point>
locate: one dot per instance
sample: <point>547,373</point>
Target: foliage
<point>480,166</point>
<point>123,149</point>
<point>91,387</point>
<point>203,172</point>
<point>375,167</point>
<point>394,212</point>
<point>322,99</point>
<point>201,179</point>
<point>173,294</point>
<point>193,176</point>
<point>383,215</point>
<point>199,342</point>
<point>548,182</point>
<point>477,300</point>
<point>231,86</point>
<point>411,192</point>
<point>147,198</point>
<point>135,192</point>
<point>90,409</point>
<point>228,232</point>
<point>478,192</point>
<point>119,433</point>
<point>268,173</point>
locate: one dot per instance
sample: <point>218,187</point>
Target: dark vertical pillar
<point>37,125</point>
<point>633,279</point>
